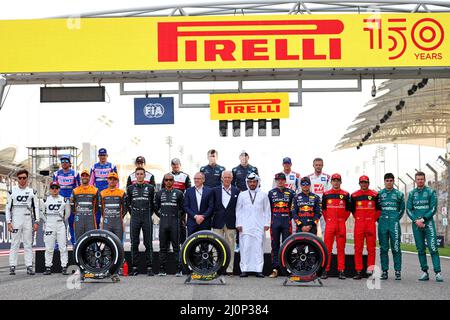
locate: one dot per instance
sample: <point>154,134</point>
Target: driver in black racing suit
<point>140,197</point>
<point>169,208</point>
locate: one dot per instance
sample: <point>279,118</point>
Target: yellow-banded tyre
<point>99,253</point>
<point>304,255</point>
<point>205,253</point>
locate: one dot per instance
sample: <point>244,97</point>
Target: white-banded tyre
<point>304,255</point>
<point>205,253</point>
<point>99,253</point>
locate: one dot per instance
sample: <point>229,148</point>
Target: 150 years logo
<point>425,35</point>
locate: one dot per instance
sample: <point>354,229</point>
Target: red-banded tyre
<point>99,253</point>
<point>205,253</point>
<point>304,255</point>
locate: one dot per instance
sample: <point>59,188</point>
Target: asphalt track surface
<point>59,287</point>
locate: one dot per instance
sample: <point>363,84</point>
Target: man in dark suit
<point>198,204</point>
<point>224,217</point>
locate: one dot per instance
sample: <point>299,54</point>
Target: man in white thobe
<point>252,221</point>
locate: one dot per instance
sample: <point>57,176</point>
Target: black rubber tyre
<point>304,255</point>
<point>99,253</point>
<point>205,253</point>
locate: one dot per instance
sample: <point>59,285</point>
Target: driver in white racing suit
<point>57,212</point>
<point>22,217</point>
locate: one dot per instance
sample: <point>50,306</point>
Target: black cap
<point>305,180</point>
<point>280,176</point>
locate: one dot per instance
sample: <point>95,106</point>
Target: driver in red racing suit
<point>336,210</point>
<point>366,210</point>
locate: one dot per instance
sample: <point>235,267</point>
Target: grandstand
<point>409,112</point>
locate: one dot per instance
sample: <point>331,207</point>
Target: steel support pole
<point>437,220</point>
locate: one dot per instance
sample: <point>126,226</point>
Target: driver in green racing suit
<point>392,203</point>
<point>422,205</point>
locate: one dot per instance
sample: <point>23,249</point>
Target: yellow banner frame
<point>223,42</point>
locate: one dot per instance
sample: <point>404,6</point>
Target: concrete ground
<point>57,287</point>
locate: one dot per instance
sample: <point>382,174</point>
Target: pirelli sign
<point>270,105</point>
<point>239,42</point>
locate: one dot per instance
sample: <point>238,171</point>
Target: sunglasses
<point>168,179</point>
<point>304,184</point>
<point>65,161</point>
<point>22,178</point>
<point>54,187</point>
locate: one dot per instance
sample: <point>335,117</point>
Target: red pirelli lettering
<point>170,33</point>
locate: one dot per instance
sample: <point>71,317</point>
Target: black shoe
<point>358,276</point>
<point>341,275</point>
<point>150,272</point>
<point>259,275</point>
<point>244,275</point>
<point>384,275</point>
<point>48,271</point>
<point>64,271</point>
<point>134,272</point>
<point>162,272</point>
<point>12,271</point>
<point>398,275</point>
<point>324,275</point>
<point>30,271</point>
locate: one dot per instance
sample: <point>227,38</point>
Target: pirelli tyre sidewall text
<point>304,255</point>
<point>205,253</point>
<point>99,252</point>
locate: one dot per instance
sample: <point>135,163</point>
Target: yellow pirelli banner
<point>238,42</point>
<point>237,106</point>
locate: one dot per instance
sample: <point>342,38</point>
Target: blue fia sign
<point>153,111</point>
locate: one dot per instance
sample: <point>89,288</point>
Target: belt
<point>281,215</point>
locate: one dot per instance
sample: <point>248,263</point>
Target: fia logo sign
<point>153,110</point>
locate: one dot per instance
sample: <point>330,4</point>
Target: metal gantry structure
<point>275,7</point>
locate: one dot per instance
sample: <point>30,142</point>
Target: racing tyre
<point>99,253</point>
<point>304,255</point>
<point>205,253</point>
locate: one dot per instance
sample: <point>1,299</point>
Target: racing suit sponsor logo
<point>22,198</point>
<point>421,207</point>
<point>54,207</point>
<point>319,188</point>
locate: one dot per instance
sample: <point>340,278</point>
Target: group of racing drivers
<point>94,200</point>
